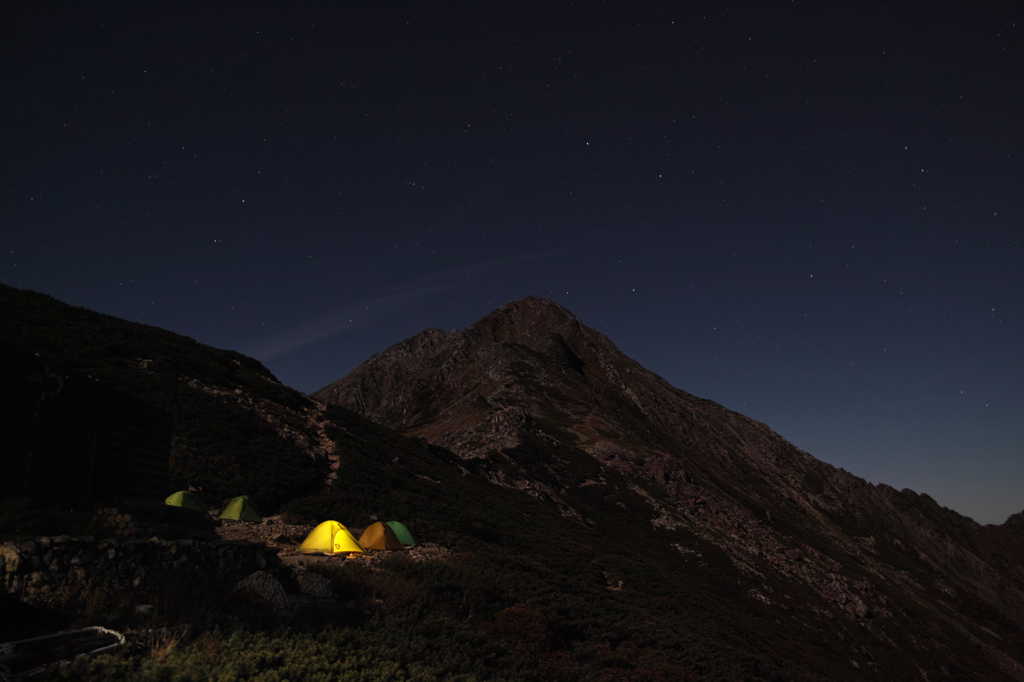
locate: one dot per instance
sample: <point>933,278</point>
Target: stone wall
<point>48,564</point>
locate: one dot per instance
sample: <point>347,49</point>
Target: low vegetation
<point>525,594</point>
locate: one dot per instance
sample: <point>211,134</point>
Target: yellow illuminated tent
<point>187,500</point>
<point>242,509</point>
<point>380,536</point>
<point>330,537</point>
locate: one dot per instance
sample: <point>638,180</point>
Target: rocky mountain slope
<point>532,399</point>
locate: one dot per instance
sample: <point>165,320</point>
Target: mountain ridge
<point>532,397</point>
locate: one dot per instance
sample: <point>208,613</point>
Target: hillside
<point>236,428</point>
<point>596,522</point>
<point>534,400</point>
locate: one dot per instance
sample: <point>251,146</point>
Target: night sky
<point>811,214</point>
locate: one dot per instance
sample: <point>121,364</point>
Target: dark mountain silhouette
<point>235,426</point>
<point>532,399</point>
<point>597,522</point>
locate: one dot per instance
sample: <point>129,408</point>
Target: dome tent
<point>330,537</point>
<point>402,533</point>
<point>186,499</point>
<point>380,536</point>
<point>242,509</point>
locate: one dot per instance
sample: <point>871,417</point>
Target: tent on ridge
<point>242,509</point>
<point>187,500</point>
<point>380,536</point>
<point>401,532</point>
<point>330,537</point>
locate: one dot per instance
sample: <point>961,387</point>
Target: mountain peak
<point>532,304</point>
<point>531,398</point>
<point>527,321</point>
<point>532,339</point>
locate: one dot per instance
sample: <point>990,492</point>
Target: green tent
<point>402,533</point>
<point>241,509</point>
<point>187,500</point>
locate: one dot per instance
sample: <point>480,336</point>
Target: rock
<point>266,586</point>
<point>11,558</point>
<point>315,585</point>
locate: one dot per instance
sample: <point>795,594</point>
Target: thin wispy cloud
<point>371,311</point>
<point>339,322</point>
